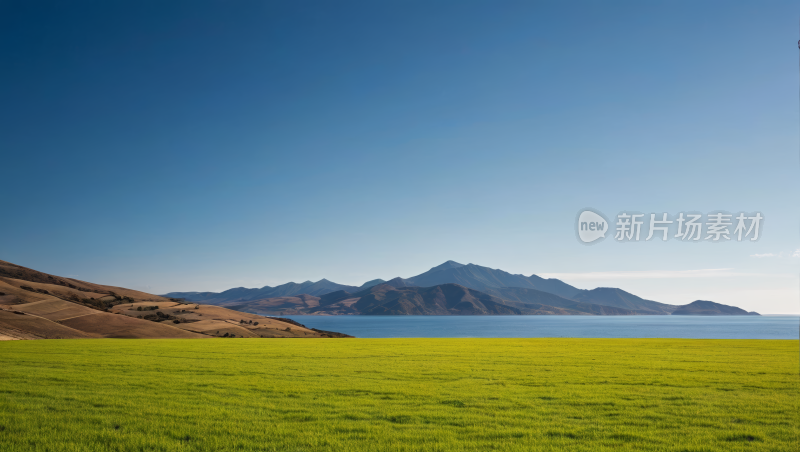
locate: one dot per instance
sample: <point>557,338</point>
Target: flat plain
<point>399,395</point>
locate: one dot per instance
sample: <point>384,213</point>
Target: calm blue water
<point>694,327</point>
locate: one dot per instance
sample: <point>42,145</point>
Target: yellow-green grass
<point>399,395</point>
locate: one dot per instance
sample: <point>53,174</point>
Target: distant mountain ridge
<point>374,282</point>
<point>702,307</point>
<point>320,287</point>
<point>447,299</point>
<point>610,296</point>
<point>517,294</point>
<point>442,299</point>
<point>473,276</point>
<point>485,279</point>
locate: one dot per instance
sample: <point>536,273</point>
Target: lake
<point>687,327</point>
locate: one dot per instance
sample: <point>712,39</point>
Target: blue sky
<point>170,146</point>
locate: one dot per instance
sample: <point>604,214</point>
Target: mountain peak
<point>447,265</point>
<point>371,283</point>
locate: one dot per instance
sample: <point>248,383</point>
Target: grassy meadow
<point>399,395</point>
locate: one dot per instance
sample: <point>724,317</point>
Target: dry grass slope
<point>17,326</point>
<point>52,307</point>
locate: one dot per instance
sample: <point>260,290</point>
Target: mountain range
<point>448,289</point>
<point>320,287</point>
<point>37,305</point>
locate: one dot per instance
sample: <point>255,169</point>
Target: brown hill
<point>36,305</point>
<point>9,270</point>
<point>16,325</point>
<point>295,305</point>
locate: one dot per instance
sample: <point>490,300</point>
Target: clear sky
<point>177,146</point>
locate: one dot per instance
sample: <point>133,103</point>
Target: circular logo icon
<point>591,226</point>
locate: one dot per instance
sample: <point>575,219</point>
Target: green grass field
<point>399,395</point>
